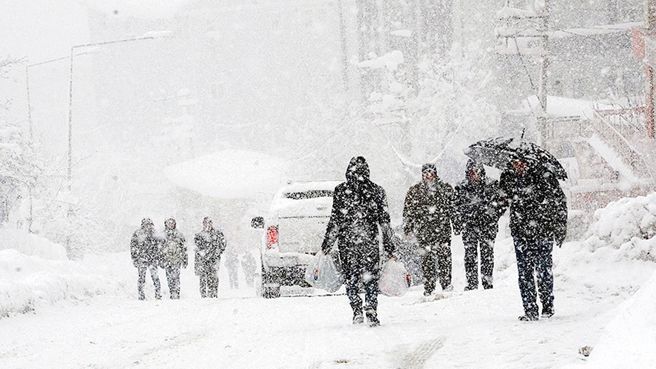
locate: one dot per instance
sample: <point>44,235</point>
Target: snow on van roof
<point>230,174</point>
<point>311,185</point>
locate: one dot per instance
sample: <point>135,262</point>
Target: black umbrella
<point>532,153</point>
<point>493,152</point>
<point>498,152</point>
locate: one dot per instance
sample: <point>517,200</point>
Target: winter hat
<point>429,167</point>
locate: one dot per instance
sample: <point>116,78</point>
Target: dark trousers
<point>436,261</point>
<point>209,283</point>
<point>233,277</point>
<point>361,269</point>
<point>141,280</point>
<point>534,256</point>
<point>173,279</point>
<point>473,241</point>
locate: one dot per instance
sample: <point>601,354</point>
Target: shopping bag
<point>394,279</point>
<point>324,273</point>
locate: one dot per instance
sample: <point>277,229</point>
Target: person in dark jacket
<point>173,256</point>
<point>478,208</point>
<point>538,220</point>
<point>428,214</point>
<point>145,256</point>
<point>210,244</point>
<point>359,208</point>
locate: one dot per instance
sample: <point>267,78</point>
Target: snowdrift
<point>625,228</point>
<point>29,282</point>
<point>630,338</point>
<point>30,244</point>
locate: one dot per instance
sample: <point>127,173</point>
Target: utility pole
<point>544,66</point>
<point>650,25</point>
<point>344,46</point>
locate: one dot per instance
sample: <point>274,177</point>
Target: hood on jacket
<point>146,223</point>
<point>477,167</point>
<point>357,170</point>
<point>169,223</point>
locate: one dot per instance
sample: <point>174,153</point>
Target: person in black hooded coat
<point>359,208</point>
<point>538,220</point>
<point>478,208</point>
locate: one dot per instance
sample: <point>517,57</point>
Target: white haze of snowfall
<point>76,313</point>
<point>211,116</point>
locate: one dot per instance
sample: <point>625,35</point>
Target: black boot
<point>547,312</point>
<point>528,318</point>
<point>358,318</point>
<point>372,317</point>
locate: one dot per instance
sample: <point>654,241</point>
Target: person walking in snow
<point>173,256</point>
<point>359,209</point>
<point>232,264</point>
<point>538,220</point>
<point>145,256</point>
<point>248,265</point>
<point>428,214</point>
<point>210,244</point>
<point>478,207</point>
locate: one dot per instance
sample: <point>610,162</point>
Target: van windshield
<point>304,195</point>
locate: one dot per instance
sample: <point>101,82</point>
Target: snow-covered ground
<point>596,305</point>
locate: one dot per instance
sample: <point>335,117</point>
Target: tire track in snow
<point>417,358</point>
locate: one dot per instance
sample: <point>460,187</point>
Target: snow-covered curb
<point>30,244</point>
<point>29,282</point>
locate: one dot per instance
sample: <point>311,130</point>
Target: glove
<point>559,240</point>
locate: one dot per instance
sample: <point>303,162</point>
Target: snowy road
<point>465,330</point>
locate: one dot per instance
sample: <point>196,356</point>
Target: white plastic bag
<point>394,279</point>
<point>323,273</point>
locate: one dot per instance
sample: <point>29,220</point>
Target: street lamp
<point>70,95</point>
<point>69,174</point>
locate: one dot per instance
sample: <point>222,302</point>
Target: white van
<point>294,231</point>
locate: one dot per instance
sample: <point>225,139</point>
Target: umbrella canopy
<point>493,152</point>
<point>498,152</point>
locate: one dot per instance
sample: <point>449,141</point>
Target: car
<point>293,232</point>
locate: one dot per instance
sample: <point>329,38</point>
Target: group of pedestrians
<point>433,211</point>
<point>151,250</point>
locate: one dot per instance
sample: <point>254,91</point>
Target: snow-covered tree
<point>17,167</point>
<point>450,110</point>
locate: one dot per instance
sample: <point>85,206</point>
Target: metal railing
<point>614,126</point>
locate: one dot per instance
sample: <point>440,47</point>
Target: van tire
<point>268,291</point>
<point>271,292</point>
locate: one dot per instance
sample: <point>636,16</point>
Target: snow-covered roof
<point>230,174</point>
<point>390,60</point>
<point>308,186</point>
<point>558,106</point>
<point>607,29</point>
<point>508,12</point>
